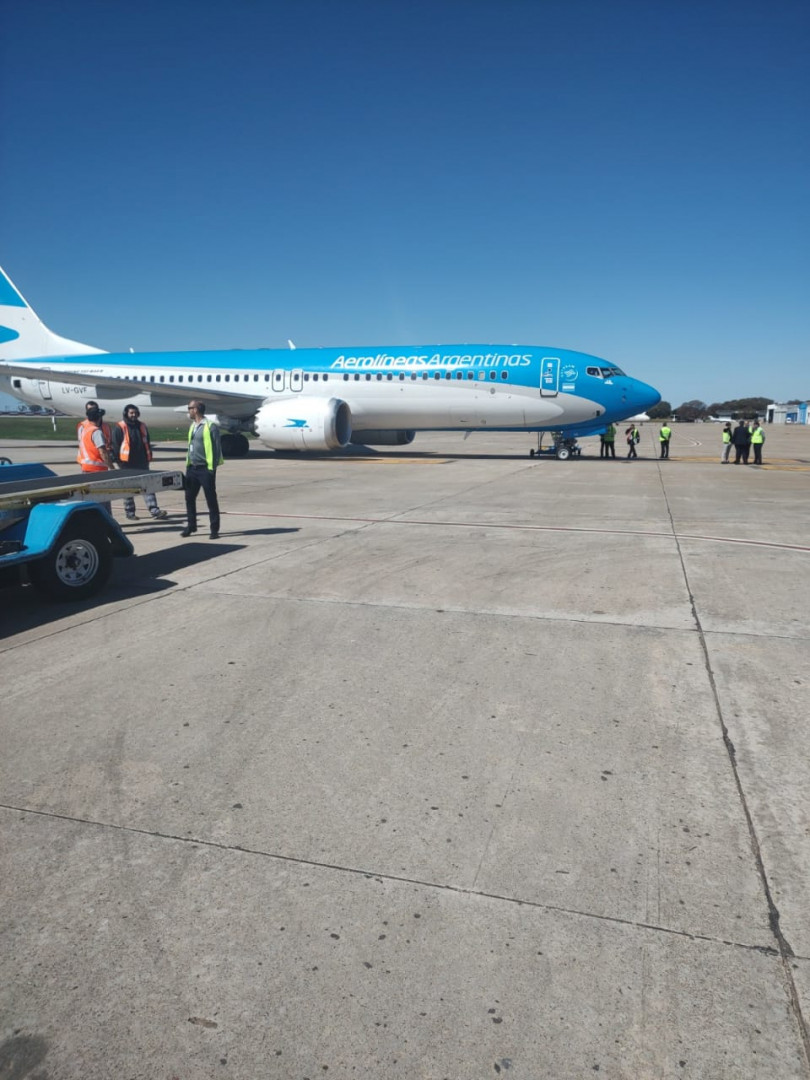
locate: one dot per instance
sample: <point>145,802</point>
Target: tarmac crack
<point>786,953</point>
<point>401,879</point>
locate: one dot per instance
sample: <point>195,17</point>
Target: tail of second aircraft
<point>23,336</point>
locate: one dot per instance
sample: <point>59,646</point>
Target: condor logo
<point>295,423</point>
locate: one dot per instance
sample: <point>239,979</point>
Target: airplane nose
<point>645,396</point>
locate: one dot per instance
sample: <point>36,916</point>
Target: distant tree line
<point>737,409</point>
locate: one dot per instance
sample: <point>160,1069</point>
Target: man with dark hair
<point>133,450</point>
<point>202,461</point>
<point>741,438</point>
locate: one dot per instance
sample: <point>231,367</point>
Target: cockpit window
<point>593,371</point>
<point>606,372</point>
<point>616,371</point>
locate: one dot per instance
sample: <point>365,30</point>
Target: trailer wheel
<point>78,566</point>
<point>563,453</point>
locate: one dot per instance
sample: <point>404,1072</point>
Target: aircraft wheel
<point>563,454</point>
<point>79,564</point>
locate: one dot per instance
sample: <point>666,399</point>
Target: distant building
<point>777,413</point>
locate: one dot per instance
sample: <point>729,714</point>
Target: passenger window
<point>504,374</point>
<point>368,376</point>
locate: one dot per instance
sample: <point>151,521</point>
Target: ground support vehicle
<point>55,531</point>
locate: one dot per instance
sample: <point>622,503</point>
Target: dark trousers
<point>665,448</point>
<point>197,476</point>
<point>757,448</point>
<point>610,449</point>
<point>632,449</point>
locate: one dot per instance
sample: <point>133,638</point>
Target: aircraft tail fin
<point>23,335</point>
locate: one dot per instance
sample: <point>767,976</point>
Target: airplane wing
<point>163,395</point>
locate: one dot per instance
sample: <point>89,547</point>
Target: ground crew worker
<point>203,458</point>
<point>757,439</point>
<point>726,444</point>
<point>741,437</point>
<point>95,440</point>
<point>95,455</point>
<point>610,441</point>
<point>133,450</point>
<point>95,415</point>
<point>633,435</point>
<point>665,434</point>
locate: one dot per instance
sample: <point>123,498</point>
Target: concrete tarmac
<point>442,762</point>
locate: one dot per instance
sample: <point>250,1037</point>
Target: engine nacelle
<point>304,424</point>
<point>382,437</point>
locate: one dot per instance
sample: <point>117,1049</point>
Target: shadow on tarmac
<point>23,608</point>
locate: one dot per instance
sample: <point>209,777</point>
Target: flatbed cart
<point>56,534</point>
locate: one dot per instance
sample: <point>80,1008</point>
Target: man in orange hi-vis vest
<point>133,450</point>
<point>95,441</point>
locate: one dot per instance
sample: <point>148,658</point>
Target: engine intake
<point>304,424</point>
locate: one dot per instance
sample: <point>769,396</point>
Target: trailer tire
<point>78,565</point>
<point>563,454</point>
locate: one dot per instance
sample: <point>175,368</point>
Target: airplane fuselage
<point>424,388</point>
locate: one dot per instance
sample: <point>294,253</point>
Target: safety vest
<point>665,433</point>
<point>105,429</point>
<point>726,435</point>
<point>207,443</point>
<point>610,434</point>
<point>758,435</point>
<point>123,453</point>
<point>89,455</point>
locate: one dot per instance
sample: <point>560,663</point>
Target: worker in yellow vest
<point>757,439</point>
<point>610,441</point>
<point>202,461</point>
<point>664,435</point>
<point>726,434</point>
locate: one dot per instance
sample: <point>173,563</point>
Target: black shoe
<point>187,532</point>
<point>213,535</point>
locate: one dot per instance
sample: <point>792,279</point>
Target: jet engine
<point>382,437</point>
<point>304,424</point>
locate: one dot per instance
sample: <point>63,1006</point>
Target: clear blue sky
<point>627,178</point>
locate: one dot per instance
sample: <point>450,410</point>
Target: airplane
<point>321,398</point>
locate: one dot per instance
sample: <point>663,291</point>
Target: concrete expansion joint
<point>380,876</point>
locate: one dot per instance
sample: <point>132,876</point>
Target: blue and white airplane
<point>323,398</point>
